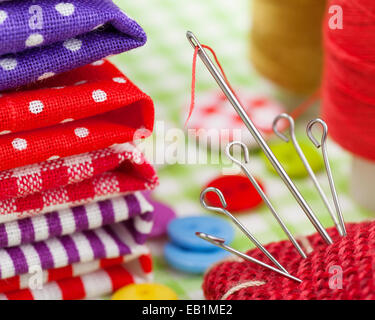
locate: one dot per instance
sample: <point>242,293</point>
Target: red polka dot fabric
<point>82,110</point>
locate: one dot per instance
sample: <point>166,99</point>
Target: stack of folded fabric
<point>73,223</point>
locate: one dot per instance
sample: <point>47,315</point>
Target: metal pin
<point>257,136</point>
<point>220,243</point>
<point>305,162</point>
<point>323,146</point>
<point>237,222</point>
<point>261,192</point>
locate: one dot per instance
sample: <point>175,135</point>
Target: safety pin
<point>305,162</point>
<point>257,136</point>
<point>237,222</point>
<point>261,192</point>
<point>323,146</point>
<point>219,242</point>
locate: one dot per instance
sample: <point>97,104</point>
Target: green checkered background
<point>163,70</point>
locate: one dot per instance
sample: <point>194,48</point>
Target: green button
<point>290,160</point>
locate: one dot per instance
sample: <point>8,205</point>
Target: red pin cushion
<point>240,280</point>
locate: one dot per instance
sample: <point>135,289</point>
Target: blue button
<point>192,261</point>
<point>182,232</point>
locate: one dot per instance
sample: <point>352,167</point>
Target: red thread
<point>349,77</point>
<point>193,78</point>
<point>305,105</point>
<point>296,113</point>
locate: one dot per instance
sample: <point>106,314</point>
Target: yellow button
<point>290,160</point>
<point>145,291</point>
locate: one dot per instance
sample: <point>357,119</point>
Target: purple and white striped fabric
<point>110,241</point>
<point>68,221</point>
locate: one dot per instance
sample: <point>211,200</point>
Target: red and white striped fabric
<point>33,280</point>
<point>75,180</point>
<point>89,285</point>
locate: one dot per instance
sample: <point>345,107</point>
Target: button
<point>192,261</point>
<point>238,191</point>
<point>290,160</point>
<point>163,216</point>
<point>214,111</point>
<point>182,232</point>
<point>145,291</point>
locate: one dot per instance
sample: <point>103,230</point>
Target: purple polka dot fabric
<point>39,39</point>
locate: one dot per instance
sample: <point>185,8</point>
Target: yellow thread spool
<point>286,42</point>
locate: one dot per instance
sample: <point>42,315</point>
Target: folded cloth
<point>52,174</point>
<point>110,241</point>
<point>71,220</point>
<point>33,280</point>
<point>61,183</point>
<point>88,286</point>
<point>63,116</point>
<point>50,37</point>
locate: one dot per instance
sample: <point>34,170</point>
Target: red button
<point>238,191</point>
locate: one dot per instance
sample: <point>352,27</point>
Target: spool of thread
<point>286,44</point>
<point>348,90</point>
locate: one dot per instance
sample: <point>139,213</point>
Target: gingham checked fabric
<point>31,179</point>
<point>61,183</point>
<point>86,109</point>
<point>87,286</point>
<point>110,241</point>
<point>71,220</point>
<point>38,40</point>
<point>25,281</point>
